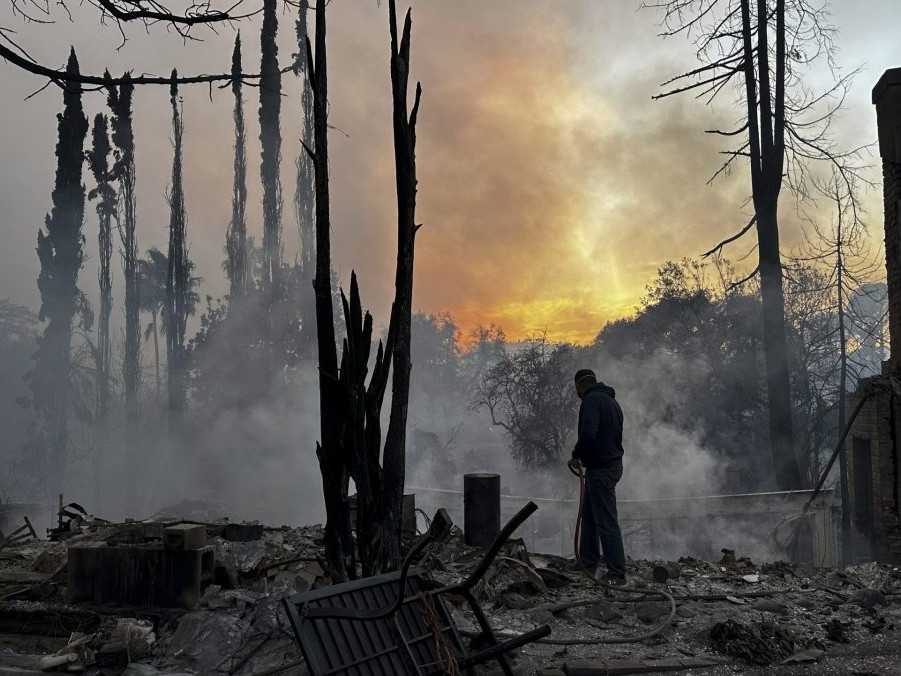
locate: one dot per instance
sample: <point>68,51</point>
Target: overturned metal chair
<point>395,624</point>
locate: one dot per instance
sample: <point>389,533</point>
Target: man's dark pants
<point>600,522</point>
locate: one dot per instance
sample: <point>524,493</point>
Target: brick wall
<point>891,177</point>
<point>875,422</point>
<point>878,421</point>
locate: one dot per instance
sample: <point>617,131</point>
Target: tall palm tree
<point>152,274</point>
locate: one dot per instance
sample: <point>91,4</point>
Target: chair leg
<point>486,629</point>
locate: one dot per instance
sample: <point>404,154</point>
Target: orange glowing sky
<point>551,186</point>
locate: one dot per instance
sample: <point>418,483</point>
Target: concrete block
<point>185,536</point>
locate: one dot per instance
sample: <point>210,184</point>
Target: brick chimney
<point>887,99</point>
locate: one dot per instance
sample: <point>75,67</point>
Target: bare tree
<point>528,393</point>
<point>763,51</point>
<point>349,407</point>
<point>333,461</point>
<point>147,13</point>
<point>852,266</point>
<point>405,118</point>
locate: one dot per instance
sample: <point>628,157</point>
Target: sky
<point>551,186</point>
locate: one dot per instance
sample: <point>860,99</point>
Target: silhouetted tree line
<point>257,331</point>
<point>251,344</point>
<point>690,358</point>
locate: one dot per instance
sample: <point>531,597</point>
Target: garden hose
<point>576,468</point>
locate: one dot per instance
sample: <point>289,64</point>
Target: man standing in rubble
<point>599,450</point>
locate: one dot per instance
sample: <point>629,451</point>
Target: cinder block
<point>138,575</point>
<point>185,536</point>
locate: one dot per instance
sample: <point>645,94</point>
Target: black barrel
<point>481,508</point>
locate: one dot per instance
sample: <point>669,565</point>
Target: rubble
<point>731,611</point>
<point>762,643</point>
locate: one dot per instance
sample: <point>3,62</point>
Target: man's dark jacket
<point>600,442</point>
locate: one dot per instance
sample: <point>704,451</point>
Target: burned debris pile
<point>232,620</point>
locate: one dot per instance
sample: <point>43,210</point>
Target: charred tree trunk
<point>177,273</point>
<point>361,427</point>
<point>766,148</point>
<point>120,103</point>
<point>350,410</point>
<point>785,463</point>
<point>379,476</point>
<point>401,311</point>
<point>60,254</point>
<point>98,160</point>
<point>333,463</point>
<point>236,237</point>
<point>270,145</point>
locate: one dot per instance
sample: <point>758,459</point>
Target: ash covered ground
<point>731,616</point>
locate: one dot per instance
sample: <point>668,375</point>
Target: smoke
<point>663,456</point>
<point>670,454</point>
<point>541,156</point>
<point>662,459</point>
<point>543,166</point>
<point>258,463</point>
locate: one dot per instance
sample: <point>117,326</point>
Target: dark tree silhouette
<point>123,12</point>
<point>304,195</point>
<point>401,310</point>
<point>763,50</point>
<point>105,194</point>
<point>147,12</point>
<point>270,146</point>
<point>236,264</point>
<point>120,103</point>
<point>333,462</point>
<point>350,410</point>
<point>528,392</point>
<point>61,77</point>
<point>178,275</point>
<point>60,252</point>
